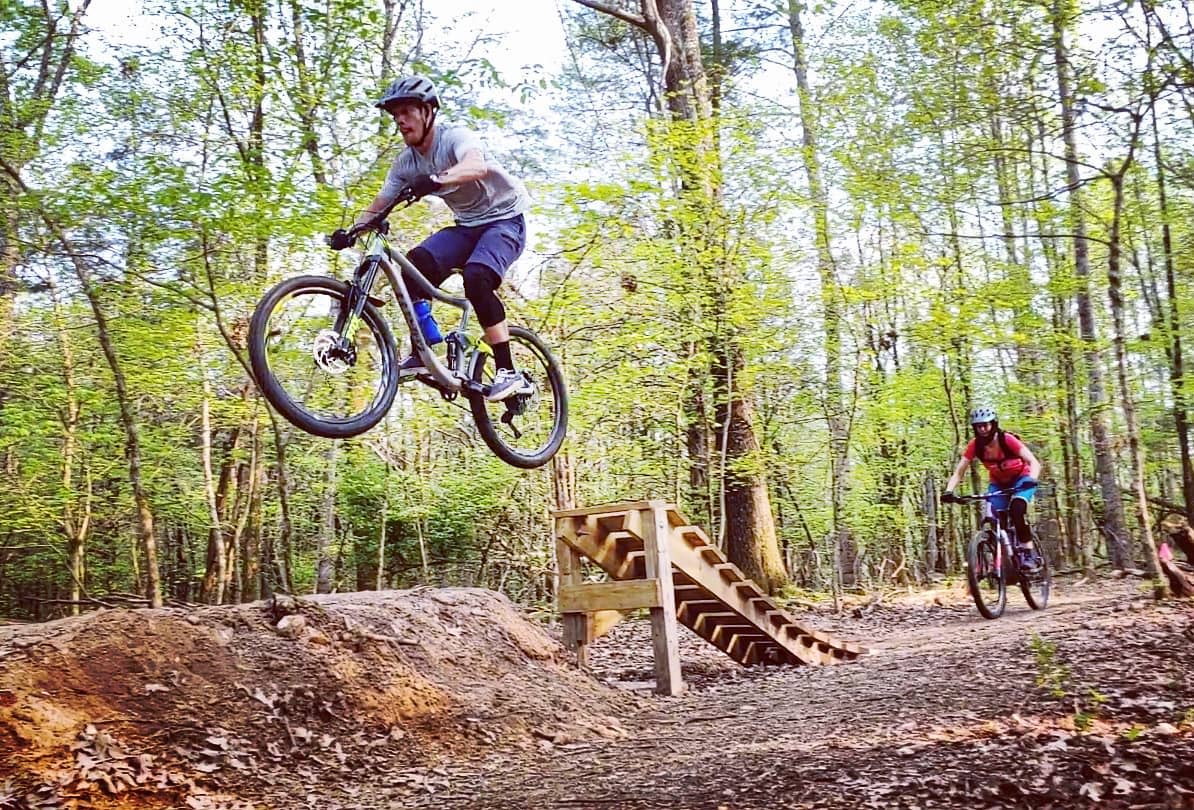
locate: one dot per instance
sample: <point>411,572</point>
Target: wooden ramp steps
<point>634,542</point>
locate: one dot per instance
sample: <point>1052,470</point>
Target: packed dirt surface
<point>451,698</point>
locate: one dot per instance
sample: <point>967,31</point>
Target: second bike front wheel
<point>323,377</point>
<point>985,576</point>
<point>525,430</point>
<point>1036,586</point>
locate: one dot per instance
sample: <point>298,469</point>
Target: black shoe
<point>1031,562</point>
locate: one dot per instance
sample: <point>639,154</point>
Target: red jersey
<point>1002,470</point>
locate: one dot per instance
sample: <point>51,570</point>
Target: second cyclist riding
<point>996,558</point>
<point>324,356</point>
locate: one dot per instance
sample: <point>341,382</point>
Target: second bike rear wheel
<point>322,378</point>
<point>985,576</point>
<point>1036,586</point>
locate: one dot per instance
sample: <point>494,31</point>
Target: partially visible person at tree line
<point>487,203</point>
<point>1010,465</point>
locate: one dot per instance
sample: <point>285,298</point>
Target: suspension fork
<point>358,295</point>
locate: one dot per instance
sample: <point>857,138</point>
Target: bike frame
<point>379,258</point>
<point>1001,527</point>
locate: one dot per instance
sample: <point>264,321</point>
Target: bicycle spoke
<point>328,382</point>
<point>526,429</point>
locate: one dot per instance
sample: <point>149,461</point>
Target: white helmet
<point>983,413</point>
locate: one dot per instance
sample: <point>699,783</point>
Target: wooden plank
<point>729,572</point>
<point>603,509</point>
<point>674,518</point>
<point>605,555</point>
<point>713,617</point>
<point>608,536</point>
<point>696,533</point>
<point>734,631</point>
<point>720,581</point>
<point>665,641</point>
<point>576,626</point>
<point>632,523</point>
<point>632,566</point>
<point>625,595</point>
<point>688,609</point>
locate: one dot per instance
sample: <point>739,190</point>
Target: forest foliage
<point>910,208</point>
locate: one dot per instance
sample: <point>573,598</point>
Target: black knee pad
<point>480,282</point>
<point>1019,508</point>
<point>422,259</point>
<point>428,266</point>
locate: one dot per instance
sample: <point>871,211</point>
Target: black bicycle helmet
<point>409,88</point>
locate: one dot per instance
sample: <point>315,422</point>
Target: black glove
<point>1027,483</point>
<point>339,239</point>
<point>423,185</point>
<point>948,496</point>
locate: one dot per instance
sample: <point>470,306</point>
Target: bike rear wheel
<point>321,379</point>
<point>1036,586</point>
<point>525,430</point>
<point>988,587</point>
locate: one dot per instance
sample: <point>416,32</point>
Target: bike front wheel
<point>1036,586</point>
<point>985,575</point>
<point>328,377</point>
<point>525,430</point>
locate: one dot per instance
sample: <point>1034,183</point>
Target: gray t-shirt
<point>497,195</point>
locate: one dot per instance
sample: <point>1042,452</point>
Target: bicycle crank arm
<point>508,420</point>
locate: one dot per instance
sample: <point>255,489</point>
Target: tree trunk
<point>1176,360</point>
<point>214,575</point>
<point>835,415</point>
<point>324,572</point>
<point>128,420</point>
<point>1117,544</point>
<point>750,538</point>
<point>253,558</point>
<point>1136,450</point>
<point>672,26</point>
<point>930,510</point>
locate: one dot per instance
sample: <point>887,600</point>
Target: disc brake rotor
<point>328,354</point>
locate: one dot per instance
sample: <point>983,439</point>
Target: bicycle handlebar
<point>378,221</point>
<point>986,496</point>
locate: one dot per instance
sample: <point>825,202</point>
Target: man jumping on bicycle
<point>1010,465</point>
<point>487,202</point>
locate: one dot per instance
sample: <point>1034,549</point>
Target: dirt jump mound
<point>158,708</point>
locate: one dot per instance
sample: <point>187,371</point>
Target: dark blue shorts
<point>495,245</point>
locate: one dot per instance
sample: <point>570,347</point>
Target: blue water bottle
<point>427,323</point>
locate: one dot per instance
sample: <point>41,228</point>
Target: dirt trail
<point>451,699</point>
<point>946,713</point>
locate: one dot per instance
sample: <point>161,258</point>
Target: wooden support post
<point>657,538</point>
<point>576,625</point>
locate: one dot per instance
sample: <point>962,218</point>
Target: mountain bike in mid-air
<point>997,558</point>
<point>325,358</point>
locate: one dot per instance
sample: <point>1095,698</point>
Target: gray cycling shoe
<point>508,383</point>
<point>411,367</point>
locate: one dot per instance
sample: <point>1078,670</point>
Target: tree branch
<point>624,16</point>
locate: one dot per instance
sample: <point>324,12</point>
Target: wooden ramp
<point>638,544</point>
